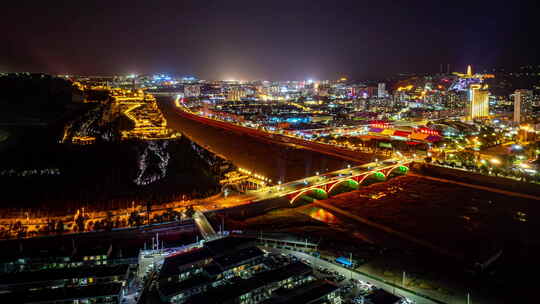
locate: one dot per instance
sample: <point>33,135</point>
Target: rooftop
<point>171,288</point>
<point>173,264</point>
<point>234,258</point>
<point>226,252</point>
<point>307,293</point>
<point>241,286</point>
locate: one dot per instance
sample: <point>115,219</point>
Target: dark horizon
<point>276,41</point>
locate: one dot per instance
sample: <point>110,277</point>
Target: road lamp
<point>495,161</point>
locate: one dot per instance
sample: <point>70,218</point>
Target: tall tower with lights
<point>522,105</point>
<point>381,90</point>
<point>478,105</point>
<point>469,70</point>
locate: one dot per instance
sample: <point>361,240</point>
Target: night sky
<point>272,39</point>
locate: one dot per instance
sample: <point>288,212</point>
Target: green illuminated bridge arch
<point>310,195</point>
<point>372,178</point>
<point>342,186</point>
<point>398,170</point>
<point>321,191</point>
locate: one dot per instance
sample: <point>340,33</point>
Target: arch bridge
<point>320,187</point>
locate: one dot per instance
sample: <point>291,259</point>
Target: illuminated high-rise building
<point>310,88</point>
<point>352,91</point>
<point>236,94</point>
<point>323,90</point>
<point>192,90</point>
<point>522,105</point>
<point>381,90</point>
<point>478,105</point>
<point>274,90</point>
<point>371,91</point>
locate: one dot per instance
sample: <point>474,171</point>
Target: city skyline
<point>160,76</point>
<point>277,40</point>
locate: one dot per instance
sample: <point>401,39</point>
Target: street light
<point>495,161</point>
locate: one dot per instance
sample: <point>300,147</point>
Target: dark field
<point>446,214</point>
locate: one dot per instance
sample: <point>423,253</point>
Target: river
<point>275,161</point>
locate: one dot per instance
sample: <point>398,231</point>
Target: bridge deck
<point>324,181</point>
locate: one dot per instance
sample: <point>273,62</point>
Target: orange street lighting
<point>495,161</point>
